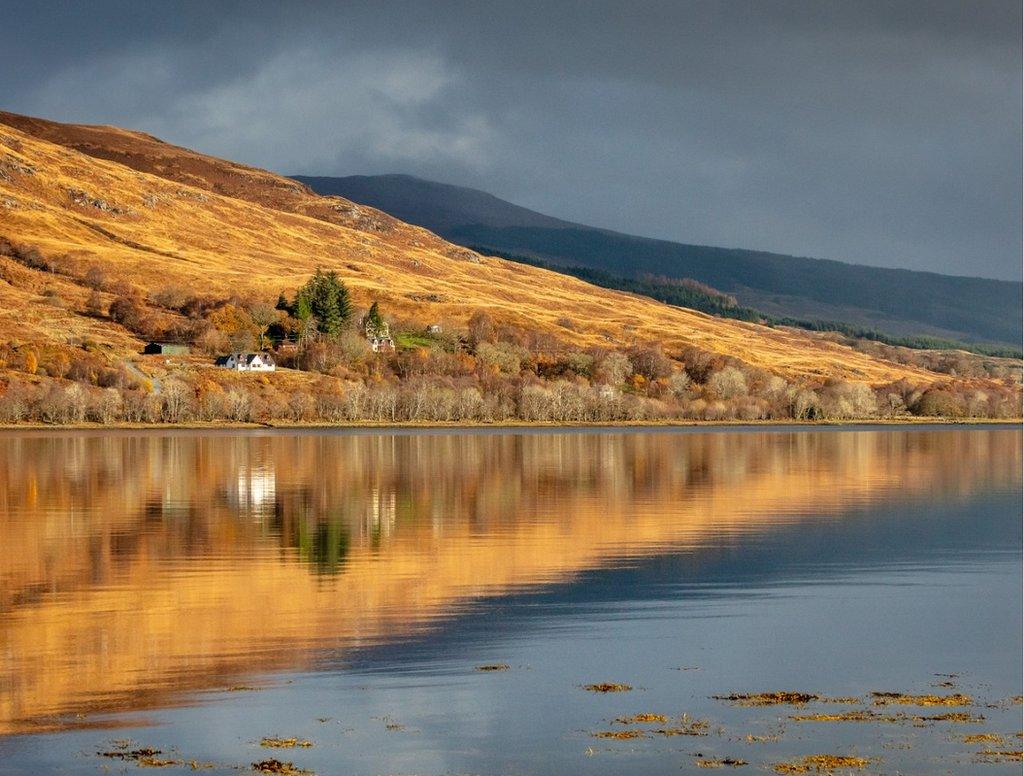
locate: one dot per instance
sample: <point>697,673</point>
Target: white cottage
<point>248,362</point>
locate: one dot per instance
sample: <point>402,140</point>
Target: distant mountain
<point>895,301</point>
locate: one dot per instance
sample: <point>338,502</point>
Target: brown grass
<point>182,218</point>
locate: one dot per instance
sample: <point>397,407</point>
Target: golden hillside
<point>156,214</point>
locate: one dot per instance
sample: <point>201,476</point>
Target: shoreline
<point>515,425</point>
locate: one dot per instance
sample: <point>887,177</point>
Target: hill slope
<point>162,215</point>
<point>890,300</point>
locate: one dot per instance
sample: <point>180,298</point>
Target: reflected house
<point>255,491</point>
<point>381,514</point>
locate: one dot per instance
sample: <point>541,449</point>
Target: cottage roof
<point>246,358</point>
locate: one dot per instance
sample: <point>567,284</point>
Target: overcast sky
<point>882,133</point>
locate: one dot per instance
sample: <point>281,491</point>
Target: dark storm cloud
<point>884,133</point>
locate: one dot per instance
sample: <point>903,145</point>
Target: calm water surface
<point>194,593</point>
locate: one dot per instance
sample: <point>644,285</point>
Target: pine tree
<point>373,321</point>
<point>325,298</point>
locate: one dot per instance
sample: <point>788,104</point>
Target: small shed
<point>248,362</point>
<point>165,349</point>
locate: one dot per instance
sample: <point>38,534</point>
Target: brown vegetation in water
<point>869,715</point>
<point>620,735</point>
<point>607,687</point>
<point>983,738</point>
<point>719,762</point>
<point>147,757</point>
<point>280,768</point>
<point>821,763</point>
<point>780,698</point>
<point>285,743</point>
<point>686,727</point>
<point>902,699</point>
<point>638,719</point>
<point>1000,756</point>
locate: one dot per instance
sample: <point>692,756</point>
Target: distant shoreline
<point>518,425</point>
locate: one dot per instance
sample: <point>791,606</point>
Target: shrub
<point>481,328</point>
<point>940,403</point>
<point>679,384</point>
<point>650,362</point>
<point>805,405</point>
<point>95,278</point>
<point>171,297</point>
<point>238,405</point>
<point>848,400</point>
<point>578,362</point>
<point>700,364</point>
<point>613,369</point>
<point>105,406</point>
<point>727,383</point>
<point>15,402</point>
<point>503,357</point>
<point>62,405</point>
<point>95,305</point>
<point>177,402</point>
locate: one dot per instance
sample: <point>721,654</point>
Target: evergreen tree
<point>374,322</point>
<point>302,308</point>
<point>324,298</point>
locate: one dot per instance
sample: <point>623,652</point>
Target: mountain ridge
<point>894,300</point>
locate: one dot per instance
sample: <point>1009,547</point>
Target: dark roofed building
<point>165,349</point>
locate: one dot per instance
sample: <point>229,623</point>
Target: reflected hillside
<point>136,567</point>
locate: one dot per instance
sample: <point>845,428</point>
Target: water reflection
<point>138,566</point>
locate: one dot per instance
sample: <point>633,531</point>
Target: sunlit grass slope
<point>156,214</point>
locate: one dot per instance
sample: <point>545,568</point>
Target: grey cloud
<point>884,133</point>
